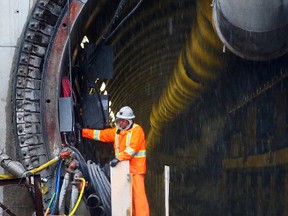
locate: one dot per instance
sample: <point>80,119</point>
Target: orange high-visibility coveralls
<point>128,145</point>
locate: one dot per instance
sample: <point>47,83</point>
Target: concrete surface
<point>13,16</point>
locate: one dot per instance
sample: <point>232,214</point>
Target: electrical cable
<point>79,198</point>
<point>106,190</point>
<point>108,34</point>
<point>49,205</point>
<point>93,182</point>
<point>57,187</point>
<point>70,63</point>
<point>82,163</point>
<point>104,180</point>
<point>83,168</point>
<point>125,18</point>
<point>101,186</point>
<point>66,90</point>
<point>112,22</point>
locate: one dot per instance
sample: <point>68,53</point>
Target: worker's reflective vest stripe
<point>128,145</point>
<point>97,134</point>
<point>128,150</point>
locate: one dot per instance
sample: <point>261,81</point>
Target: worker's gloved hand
<point>114,162</point>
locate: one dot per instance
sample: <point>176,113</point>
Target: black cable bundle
<point>101,185</point>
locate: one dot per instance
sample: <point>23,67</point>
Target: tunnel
<point>217,117</point>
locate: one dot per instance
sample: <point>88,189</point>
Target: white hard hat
<point>125,113</point>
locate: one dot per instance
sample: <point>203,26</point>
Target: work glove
<point>114,162</point>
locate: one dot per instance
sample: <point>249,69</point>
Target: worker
<point>129,144</point>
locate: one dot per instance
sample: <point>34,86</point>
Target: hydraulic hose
<point>13,168</point>
<point>57,187</point>
<point>44,166</point>
<point>3,176</point>
<point>80,197</point>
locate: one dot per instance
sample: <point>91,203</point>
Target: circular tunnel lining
<point>36,81</point>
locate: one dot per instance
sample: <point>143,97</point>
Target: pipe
<point>252,29</point>
<point>93,201</point>
<point>63,192</point>
<point>74,196</point>
<point>100,185</point>
<point>99,211</point>
<point>13,167</point>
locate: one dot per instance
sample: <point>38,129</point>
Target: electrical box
<point>65,114</point>
<point>95,111</point>
<point>99,62</point>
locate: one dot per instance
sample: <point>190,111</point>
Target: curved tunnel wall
<point>199,64</point>
<point>160,61</point>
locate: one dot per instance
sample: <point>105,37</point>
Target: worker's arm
<point>137,139</point>
<point>106,135</point>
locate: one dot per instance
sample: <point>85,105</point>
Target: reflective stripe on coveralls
<point>129,150</point>
<point>97,134</point>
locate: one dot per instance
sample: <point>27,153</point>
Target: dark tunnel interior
<point>195,142</point>
<point>217,120</point>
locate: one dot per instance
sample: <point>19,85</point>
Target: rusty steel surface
<point>51,85</point>
<point>29,120</point>
<point>33,183</point>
